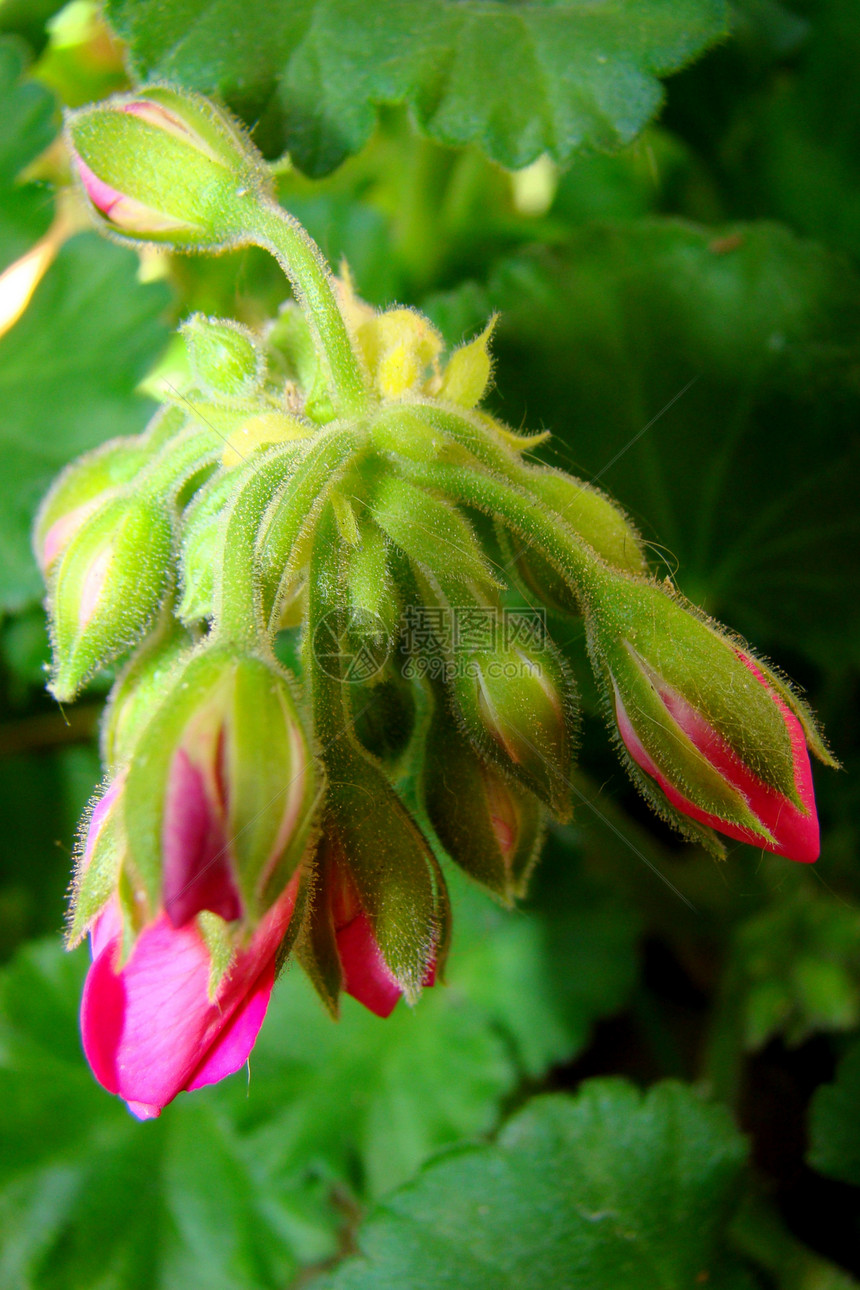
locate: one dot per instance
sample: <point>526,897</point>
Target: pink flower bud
<point>125,213</point>
<point>787,827</point>
<point>150,1028</point>
<point>366,975</point>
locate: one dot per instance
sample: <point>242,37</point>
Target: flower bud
<point>340,950</point>
<point>153,1026</point>
<point>79,490</point>
<point>517,707</point>
<point>225,361</point>
<point>202,545</point>
<point>166,166</point>
<point>109,583</point>
<point>705,723</point>
<point>221,790</point>
<point>490,826</point>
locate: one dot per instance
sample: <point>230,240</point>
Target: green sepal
<point>383,715</point>
<point>462,795</point>
<point>815,740</point>
<point>138,690</point>
<point>225,359</point>
<point>274,790</point>
<point>96,876</point>
<point>203,525</point>
<point>316,948</point>
<point>117,570</point>
<point>290,523</point>
<point>671,749</point>
<point>430,531</point>
<point>518,707</point>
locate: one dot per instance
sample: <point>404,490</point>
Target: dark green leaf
<point>29,125</point>
<point>611,1188</point>
<point>517,79</point>
<point>835,1123</point>
<point>68,371</point>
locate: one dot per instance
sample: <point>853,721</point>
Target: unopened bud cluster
<point>319,480</point>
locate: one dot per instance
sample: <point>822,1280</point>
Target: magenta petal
<point>230,1051</point>
<point>102,196</point>
<point>150,1028</point>
<point>365,974</point>
<point>197,871</point>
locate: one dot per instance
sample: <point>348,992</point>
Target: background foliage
<point>628,1081</point>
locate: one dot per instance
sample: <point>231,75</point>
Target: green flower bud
<point>166,166</point>
<point>76,493</point>
<point>487,823</point>
<point>202,543</point>
<point>109,584</point>
<point>225,360</point>
<point>517,707</point>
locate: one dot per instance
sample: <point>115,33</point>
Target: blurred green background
<point>649,1075</point>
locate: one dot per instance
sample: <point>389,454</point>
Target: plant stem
<point>274,229</point>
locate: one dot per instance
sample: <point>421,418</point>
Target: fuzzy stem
<point>525,514</point>
<point>274,229</point>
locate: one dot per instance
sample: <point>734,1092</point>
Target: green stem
<point>525,515</point>
<point>272,228</point>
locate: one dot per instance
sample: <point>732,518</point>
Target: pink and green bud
<point>108,585</point>
<point>165,166</point>
<point>517,707</point>
<point>225,360</point>
<point>221,791</point>
<point>153,1026</point>
<point>78,492</point>
<point>718,740</point>
<point>340,951</point>
<point>706,777</point>
<point>487,823</point>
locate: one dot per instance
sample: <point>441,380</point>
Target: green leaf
<point>706,378</point>
<point>798,968</point>
<point>29,125</point>
<point>517,79</point>
<point>834,1128</point>
<point>68,371</point>
<point>611,1188</point>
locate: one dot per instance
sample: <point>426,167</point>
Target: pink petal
<point>230,1051</point>
<point>197,873</point>
<point>365,974</point>
<point>150,1027</point>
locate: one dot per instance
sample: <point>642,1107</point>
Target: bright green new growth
<point>348,503</point>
